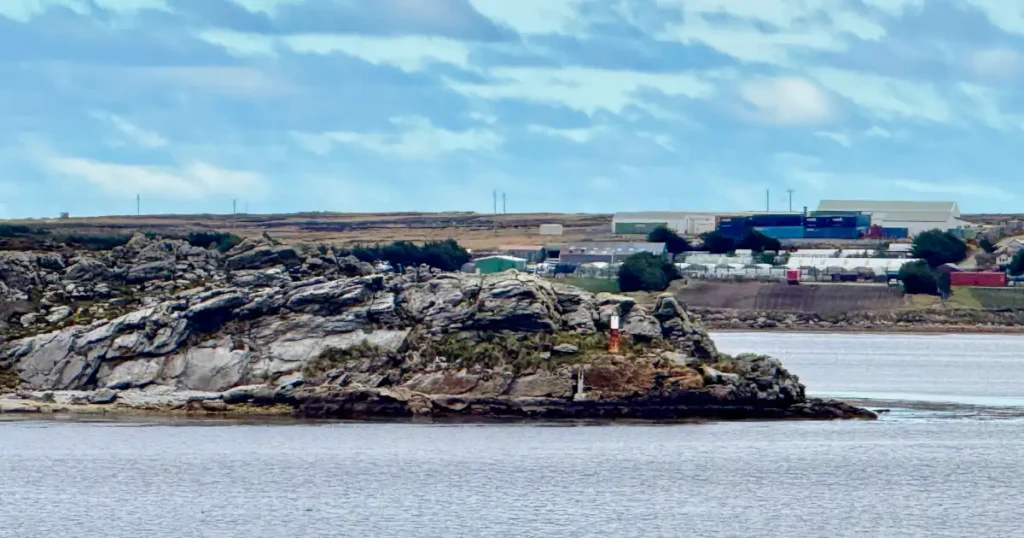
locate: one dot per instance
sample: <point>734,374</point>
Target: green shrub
<point>445,255</point>
<point>96,241</point>
<point>222,241</point>
<point>758,242</point>
<point>646,272</point>
<point>937,248</point>
<point>673,242</point>
<point>918,278</point>
<point>717,243</point>
<point>1016,266</point>
<point>18,230</point>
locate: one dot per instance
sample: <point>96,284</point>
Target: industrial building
<point>530,253</point>
<point>682,222</point>
<point>916,217</point>
<point>580,253</point>
<point>498,264</point>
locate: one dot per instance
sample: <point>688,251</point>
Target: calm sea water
<point>951,472</point>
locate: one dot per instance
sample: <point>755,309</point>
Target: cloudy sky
<point>565,105</point>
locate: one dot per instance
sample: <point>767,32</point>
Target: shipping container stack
<point>837,226</point>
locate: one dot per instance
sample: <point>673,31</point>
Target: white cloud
<point>744,38</point>
<point>997,62</point>
<point>878,132</point>
<point>531,16</point>
<point>193,181</point>
<point>584,89</point>
<point>576,135</point>
<point>984,107</point>
<point>967,189</point>
<point>840,138</point>
<point>417,139</point>
<point>1006,15</point>
<point>406,52</point>
<point>787,101</point>
<point>886,97</point>
<point>135,134</point>
<point>25,10</point>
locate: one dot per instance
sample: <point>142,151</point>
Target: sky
<point>563,105</point>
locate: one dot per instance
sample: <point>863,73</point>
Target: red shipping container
<point>988,279</point>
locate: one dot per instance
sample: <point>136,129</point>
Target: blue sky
<point>565,105</point>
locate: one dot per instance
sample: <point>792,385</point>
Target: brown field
<point>472,230</point>
<point>823,299</point>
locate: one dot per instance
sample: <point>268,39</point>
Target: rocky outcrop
<point>159,324</point>
<point>164,325</point>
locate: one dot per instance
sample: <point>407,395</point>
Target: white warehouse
<point>916,217</point>
<point>682,222</point>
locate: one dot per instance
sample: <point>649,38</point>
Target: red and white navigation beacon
<point>613,342</point>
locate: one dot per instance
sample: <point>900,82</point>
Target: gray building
<point>580,253</point>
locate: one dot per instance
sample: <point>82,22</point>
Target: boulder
<point>263,257</point>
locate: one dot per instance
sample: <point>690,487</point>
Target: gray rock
<point>263,257</point>
<point>352,266</point>
<point>542,384</point>
<point>566,349</point>
<point>158,270</point>
<point>102,396</point>
<point>641,325</point>
<point>59,314</point>
<point>28,320</point>
<point>87,270</point>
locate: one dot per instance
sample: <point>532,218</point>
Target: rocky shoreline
<point>928,321</point>
<point>158,326</point>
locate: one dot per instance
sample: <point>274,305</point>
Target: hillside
<point>472,230</point>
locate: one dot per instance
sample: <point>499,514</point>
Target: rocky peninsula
<point>160,326</point>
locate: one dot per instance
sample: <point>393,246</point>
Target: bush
<point>987,245</point>
<point>716,243</point>
<point>646,272</point>
<point>937,248</point>
<point>445,255</point>
<point>222,241</point>
<point>918,278</point>
<point>97,242</point>
<point>1016,266</point>
<point>758,242</point>
<point>673,242</point>
<point>16,230</point>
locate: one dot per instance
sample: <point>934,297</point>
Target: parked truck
<point>792,276</point>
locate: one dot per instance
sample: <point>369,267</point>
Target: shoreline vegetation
<point>263,329</point>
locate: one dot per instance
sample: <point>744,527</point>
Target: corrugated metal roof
<point>911,216</point>
<point>507,258</point>
<point>872,206</point>
<point>609,248</point>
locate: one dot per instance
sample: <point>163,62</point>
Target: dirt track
<point>824,299</point>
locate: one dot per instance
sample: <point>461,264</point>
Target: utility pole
<point>495,196</point>
<point>790,191</point>
<point>503,211</point>
<point>138,205</point>
<point>234,207</point>
<point>767,200</point>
